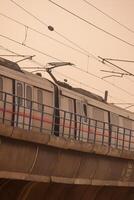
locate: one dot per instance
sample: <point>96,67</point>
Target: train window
<point>127,123</point>
<point>48,98</point>
<point>40,99</point>
<point>114,119</point>
<point>85,109</point>
<point>78,107</point>
<point>71,105</point>
<point>98,114</point>
<point>20,93</point>
<point>67,104</point>
<point>28,96</point>
<point>85,112</point>
<point>1,88</point>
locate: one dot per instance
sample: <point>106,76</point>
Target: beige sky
<point>89,38</point>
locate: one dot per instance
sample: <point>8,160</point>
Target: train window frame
<point>69,104</point>
<point>1,88</point>
<point>20,93</point>
<point>40,99</point>
<point>68,112</point>
<point>28,98</point>
<point>84,108</point>
<point>102,109</point>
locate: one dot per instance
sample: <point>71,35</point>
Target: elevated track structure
<point>37,164</point>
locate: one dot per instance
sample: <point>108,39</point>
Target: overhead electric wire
<point>43,23</point>
<point>43,68</point>
<point>120,60</point>
<point>110,17</point>
<point>105,60</point>
<point>92,24</point>
<point>116,86</point>
<point>17,54</point>
<point>14,20</point>
<point>37,68</point>
<point>29,13</point>
<point>11,51</point>
<point>43,34</point>
<point>81,83</point>
<point>29,47</point>
<point>88,86</point>
<point>47,25</point>
<point>118,67</point>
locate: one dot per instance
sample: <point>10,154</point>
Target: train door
<point>124,131</point>
<point>82,121</point>
<point>19,104</point>
<point>48,112</point>
<point>114,121</point>
<point>100,125</point>
<point>6,100</point>
<point>67,117</point>
<point>38,108</point>
<point>43,108</point>
<point>127,133</point>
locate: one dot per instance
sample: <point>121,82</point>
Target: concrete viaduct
<point>36,166</point>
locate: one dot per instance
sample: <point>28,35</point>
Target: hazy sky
<point>86,36</point>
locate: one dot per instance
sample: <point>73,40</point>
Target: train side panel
<point>6,110</point>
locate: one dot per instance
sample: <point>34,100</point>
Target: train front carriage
<point>26,100</point>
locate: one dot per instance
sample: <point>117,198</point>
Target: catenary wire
<point>90,23</point>
<point>120,60</point>
<point>116,66</point>
<point>94,75</point>
<point>110,64</point>
<point>43,67</point>
<point>4,48</point>
<point>29,47</point>
<point>110,17</point>
<point>78,82</point>
<point>17,54</point>
<point>43,23</point>
<point>43,34</point>
<point>81,83</point>
<point>37,68</point>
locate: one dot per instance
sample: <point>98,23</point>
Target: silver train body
<point>78,106</point>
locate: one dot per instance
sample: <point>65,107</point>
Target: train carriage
<point>31,102</point>
<point>25,94</point>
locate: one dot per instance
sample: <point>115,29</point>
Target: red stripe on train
<point>45,119</point>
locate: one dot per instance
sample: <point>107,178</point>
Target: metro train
<point>31,102</point>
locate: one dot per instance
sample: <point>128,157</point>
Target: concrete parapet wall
<point>45,158</point>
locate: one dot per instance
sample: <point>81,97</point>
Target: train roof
<point>14,66</point>
<point>81,91</point>
<point>9,64</point>
<point>88,94</point>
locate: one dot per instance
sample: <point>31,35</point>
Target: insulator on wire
<point>51,28</point>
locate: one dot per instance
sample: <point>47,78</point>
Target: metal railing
<point>30,115</point>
